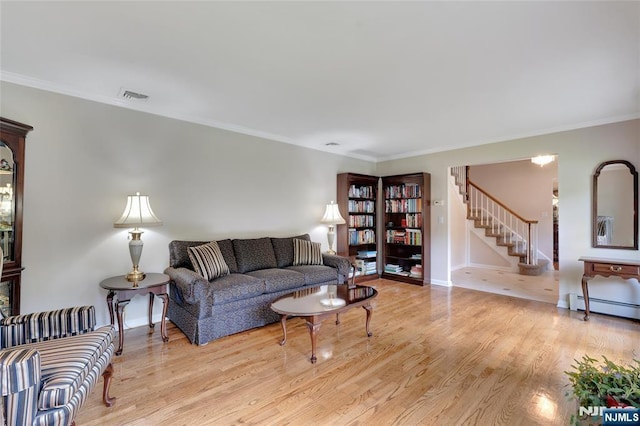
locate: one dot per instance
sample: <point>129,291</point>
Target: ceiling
<point>382,80</point>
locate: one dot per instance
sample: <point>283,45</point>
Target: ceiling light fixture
<point>542,160</point>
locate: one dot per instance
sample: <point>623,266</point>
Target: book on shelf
<point>365,236</point>
<point>403,206</point>
<point>361,221</point>
<point>411,237</point>
<point>367,253</point>
<point>355,206</point>
<point>416,271</point>
<point>406,190</point>
<point>361,191</point>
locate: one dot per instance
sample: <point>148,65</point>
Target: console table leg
<point>585,294</point>
<point>283,323</point>
<point>313,331</point>
<point>163,320</point>
<point>151,324</point>
<point>369,312</point>
<point>121,305</point>
<point>110,305</point>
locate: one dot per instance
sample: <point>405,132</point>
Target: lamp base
<point>135,276</point>
<point>330,251</point>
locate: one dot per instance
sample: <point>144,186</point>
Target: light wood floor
<point>438,356</point>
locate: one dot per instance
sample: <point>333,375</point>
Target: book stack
<point>416,271</point>
<point>394,269</point>
<point>370,268</point>
<point>364,254</point>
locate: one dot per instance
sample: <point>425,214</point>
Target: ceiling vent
<point>133,96</point>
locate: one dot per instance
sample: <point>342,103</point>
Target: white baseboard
<point>440,283</point>
<point>602,306</point>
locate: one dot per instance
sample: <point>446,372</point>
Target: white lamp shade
<point>332,215</point>
<point>138,212</point>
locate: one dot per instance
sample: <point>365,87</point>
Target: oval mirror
<point>615,206</point>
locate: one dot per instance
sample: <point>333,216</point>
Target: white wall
<point>83,158</point>
<point>579,153</point>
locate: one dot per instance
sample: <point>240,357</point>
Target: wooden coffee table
<point>316,303</point>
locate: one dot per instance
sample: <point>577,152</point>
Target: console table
<point>625,269</point>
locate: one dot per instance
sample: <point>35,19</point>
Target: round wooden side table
<point>154,284</point>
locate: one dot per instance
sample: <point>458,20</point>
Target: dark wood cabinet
<point>406,242</point>
<point>12,148</point>
<point>358,202</point>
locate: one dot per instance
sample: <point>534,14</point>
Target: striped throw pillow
<point>306,253</point>
<point>207,260</point>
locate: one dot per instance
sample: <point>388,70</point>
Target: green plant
<point>604,385</point>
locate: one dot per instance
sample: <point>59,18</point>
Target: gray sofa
<point>261,270</point>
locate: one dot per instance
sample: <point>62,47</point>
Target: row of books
<point>361,191</point>
<point>362,206</point>
<point>365,236</point>
<point>411,220</point>
<point>360,221</point>
<point>364,254</point>
<point>415,272</point>
<point>364,267</point>
<point>403,206</point>
<point>411,237</point>
<point>408,190</point>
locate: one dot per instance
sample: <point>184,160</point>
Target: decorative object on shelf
<point>137,213</point>
<point>332,217</point>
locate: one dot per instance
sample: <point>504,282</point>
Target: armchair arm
<point>20,374</point>
<point>192,286</point>
<point>39,326</point>
<point>341,263</point>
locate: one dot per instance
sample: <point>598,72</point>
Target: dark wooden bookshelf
<point>406,239</point>
<point>357,239</point>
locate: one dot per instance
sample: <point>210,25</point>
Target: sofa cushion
<point>306,253</point>
<point>179,253</point>
<point>283,248</point>
<point>316,274</point>
<point>207,260</point>
<point>67,362</point>
<point>234,287</point>
<point>279,279</point>
<point>254,254</point>
<point>226,248</point>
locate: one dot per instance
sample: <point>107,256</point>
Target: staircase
<point>508,229</point>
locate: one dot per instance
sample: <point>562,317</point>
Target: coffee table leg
<point>313,327</point>
<point>283,322</point>
<point>369,312</point>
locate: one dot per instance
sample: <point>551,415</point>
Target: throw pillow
<point>306,253</point>
<point>207,260</point>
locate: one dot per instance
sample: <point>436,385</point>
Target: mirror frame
<point>594,202</point>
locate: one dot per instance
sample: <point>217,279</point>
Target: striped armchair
<point>50,362</point>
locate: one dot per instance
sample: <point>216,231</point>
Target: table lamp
<point>332,217</point>
<point>137,213</point>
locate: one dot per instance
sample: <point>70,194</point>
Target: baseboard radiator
<point>603,306</point>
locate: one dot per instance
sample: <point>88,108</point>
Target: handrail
<point>492,214</point>
<point>501,204</point>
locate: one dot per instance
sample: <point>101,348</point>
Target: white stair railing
<point>500,221</point>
